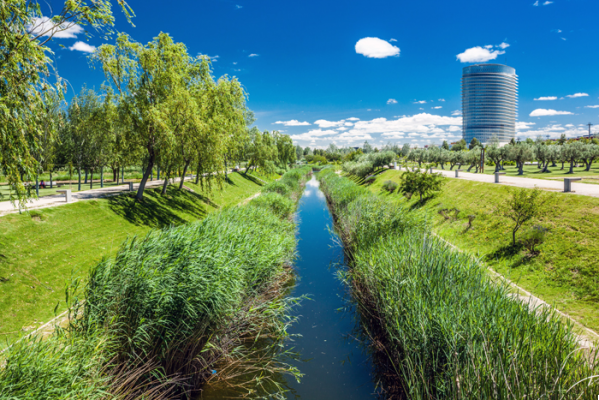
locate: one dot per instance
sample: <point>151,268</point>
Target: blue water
<point>336,366</point>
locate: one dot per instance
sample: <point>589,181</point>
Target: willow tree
<point>24,84</point>
<point>151,82</point>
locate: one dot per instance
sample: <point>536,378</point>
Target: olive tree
<point>521,207</point>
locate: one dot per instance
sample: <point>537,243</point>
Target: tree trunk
<point>521,168</point>
<point>588,168</point>
<point>165,184</point>
<point>469,168</point>
<point>442,165</point>
<point>152,174</point>
<point>37,185</point>
<point>514,237</point>
<point>50,179</point>
<point>158,173</point>
<point>563,164</point>
<point>86,171</point>
<point>79,183</point>
<point>571,167</point>
<point>115,175</point>
<point>123,175</point>
<point>497,167</point>
<point>183,175</point>
<point>144,179</point>
<point>101,177</point>
<point>91,178</point>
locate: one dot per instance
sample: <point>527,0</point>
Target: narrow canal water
<point>336,366</point>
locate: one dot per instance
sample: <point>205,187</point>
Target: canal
<point>336,365</point>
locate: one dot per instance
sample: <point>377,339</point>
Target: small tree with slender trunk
<point>522,206</point>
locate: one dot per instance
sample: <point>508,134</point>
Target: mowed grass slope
<point>40,251</point>
<point>566,271</point>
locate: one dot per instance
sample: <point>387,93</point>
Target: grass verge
<point>173,310</point>
<point>439,326</point>
<point>40,250</point>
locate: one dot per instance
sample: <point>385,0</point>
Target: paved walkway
<point>584,189</point>
<point>59,200</point>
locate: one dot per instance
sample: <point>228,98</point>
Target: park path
<point>583,189</point>
<point>59,199</point>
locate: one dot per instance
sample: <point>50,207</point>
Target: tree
<point>421,183</point>
<point>445,145</point>
<point>299,152</point>
<point>367,148</point>
<point>152,83</point>
<point>25,89</point>
<point>572,152</point>
<point>498,155</point>
<point>520,153</point>
<point>405,149</point>
<point>589,153</point>
<point>307,151</point>
<point>474,143</point>
<point>522,206</point>
<point>459,146</point>
<point>473,157</point>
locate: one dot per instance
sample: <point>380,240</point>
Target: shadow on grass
<point>159,211</point>
<point>251,178</point>
<point>512,254</point>
<point>425,200</point>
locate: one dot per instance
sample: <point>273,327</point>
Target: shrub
<point>534,237</point>
<point>276,187</point>
<point>390,186</point>
<point>421,183</point>
<point>522,206</point>
<point>281,206</point>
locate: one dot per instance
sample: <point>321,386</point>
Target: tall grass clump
<point>440,328</point>
<point>202,303</point>
<point>281,206</point>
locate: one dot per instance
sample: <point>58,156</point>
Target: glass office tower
<point>489,102</point>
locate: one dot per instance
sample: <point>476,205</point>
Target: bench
<point>497,176</point>
<point>568,183</point>
<point>67,194</point>
<point>457,171</point>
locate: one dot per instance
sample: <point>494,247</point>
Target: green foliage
<point>522,206</point>
<point>443,328</point>
<point>277,187</point>
<point>281,206</point>
<point>422,183</point>
<point>533,238</point>
<point>390,186</point>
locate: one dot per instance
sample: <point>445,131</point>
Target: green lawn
<point>566,271</point>
<point>40,250</point>
<point>555,173</point>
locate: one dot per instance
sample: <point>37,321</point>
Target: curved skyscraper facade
<point>489,102</point>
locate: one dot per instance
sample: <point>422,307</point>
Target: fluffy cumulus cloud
<point>542,112</point>
<point>293,122</point>
<point>572,96</point>
<point>546,98</point>
<point>82,46</point>
<point>420,128</point>
<point>391,101</point>
<point>551,131</point>
<point>372,47</point>
<point>353,119</point>
<point>591,106</point>
<point>45,27</point>
<point>420,102</point>
<point>481,54</point>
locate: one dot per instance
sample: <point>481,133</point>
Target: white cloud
<point>323,123</point>
<point>237,6</point>
<point>372,47</point>
<point>591,106</point>
<point>234,62</point>
<point>420,102</point>
<point>524,125</point>
<point>536,4</point>
<point>577,95</point>
<point>253,55</point>
<point>314,134</point>
<point>82,46</point>
<point>541,112</point>
<point>293,122</point>
<point>441,99</point>
<point>393,40</point>
<point>479,54</point>
<point>564,38</point>
<point>546,98</point>
<point>391,101</point>
<point>456,113</point>
<point>437,107</point>
<point>45,27</point>
<point>547,3</point>
<point>504,45</point>
<point>353,119</point>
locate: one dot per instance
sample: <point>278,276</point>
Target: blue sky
<point>345,72</point>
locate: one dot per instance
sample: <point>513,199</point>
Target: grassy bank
<point>39,250</point>
<point>174,310</point>
<point>439,327</point>
<point>565,271</point>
